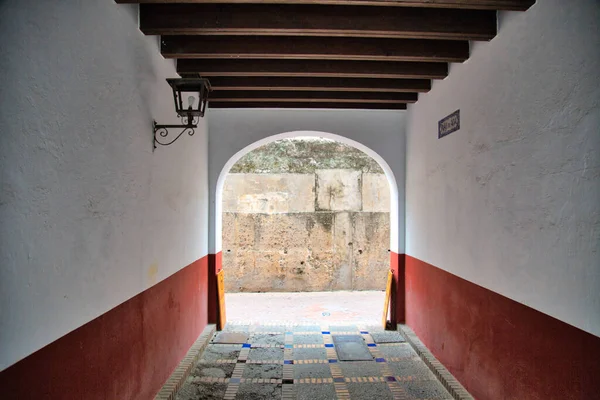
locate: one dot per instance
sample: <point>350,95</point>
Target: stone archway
<point>216,259</point>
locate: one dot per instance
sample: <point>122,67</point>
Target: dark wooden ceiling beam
<point>301,104</point>
<point>313,68</point>
<point>514,5</point>
<point>307,48</point>
<point>227,83</point>
<point>316,20</point>
<point>348,97</point>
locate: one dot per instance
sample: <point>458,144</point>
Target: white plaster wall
<point>232,130</point>
<point>511,201</point>
<point>90,216</point>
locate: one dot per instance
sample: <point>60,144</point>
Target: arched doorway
<point>316,134</point>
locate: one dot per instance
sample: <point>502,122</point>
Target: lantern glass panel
<point>190,95</point>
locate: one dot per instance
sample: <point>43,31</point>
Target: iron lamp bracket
<point>164,136</point>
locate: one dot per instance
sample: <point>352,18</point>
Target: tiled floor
<point>301,362</point>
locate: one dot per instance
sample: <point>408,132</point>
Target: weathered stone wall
<point>304,156</point>
<point>327,230</point>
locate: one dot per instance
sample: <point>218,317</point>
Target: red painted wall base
<point>398,314</point>
<point>215,264</point>
<point>127,353</point>
<point>498,348</point>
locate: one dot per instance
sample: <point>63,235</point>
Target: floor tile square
<point>368,391</point>
<point>417,369</point>
<point>351,369</point>
<point>302,371</point>
<point>270,354</point>
<point>308,339</point>
<point>387,337</point>
<point>310,354</point>
<point>248,391</point>
<point>274,339</point>
<point>214,370</point>
<point>351,348</point>
<point>403,351</point>
<point>264,371</point>
<point>323,391</point>
<point>426,389</point>
<point>195,391</point>
<point>221,352</point>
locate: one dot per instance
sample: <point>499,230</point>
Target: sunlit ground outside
<point>340,307</point>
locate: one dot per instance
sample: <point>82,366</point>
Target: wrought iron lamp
<point>196,90</point>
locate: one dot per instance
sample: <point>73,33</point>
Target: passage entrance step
<point>305,362</point>
<point>351,348</point>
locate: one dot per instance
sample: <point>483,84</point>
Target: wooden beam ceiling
<point>316,20</point>
<point>364,85</point>
<point>313,68</point>
<point>304,104</point>
<point>307,48</point>
<point>370,54</point>
<point>313,96</point>
<point>514,5</point>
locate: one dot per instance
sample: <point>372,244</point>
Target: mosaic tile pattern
<point>300,362</point>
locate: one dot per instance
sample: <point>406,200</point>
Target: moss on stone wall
<point>303,156</point>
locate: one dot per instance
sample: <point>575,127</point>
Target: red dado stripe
<point>126,353</point>
<point>397,266</point>
<point>218,262</point>
<point>215,265</point>
<point>498,348</point>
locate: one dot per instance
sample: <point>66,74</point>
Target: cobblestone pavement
<point>268,361</point>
